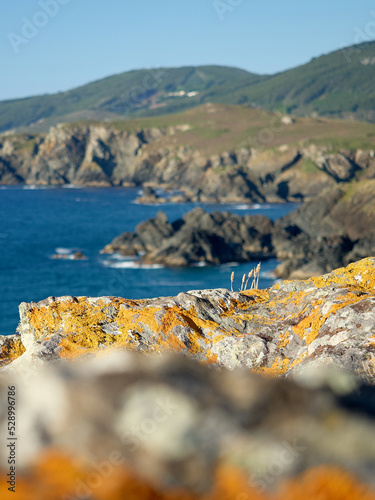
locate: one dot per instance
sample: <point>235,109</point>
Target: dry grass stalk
<point>231,281</point>
<point>248,277</point>
<point>243,282</point>
<point>255,273</point>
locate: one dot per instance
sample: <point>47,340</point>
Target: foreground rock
<point>125,426</point>
<point>329,320</point>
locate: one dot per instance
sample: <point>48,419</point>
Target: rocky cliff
<point>167,157</point>
<point>334,229</point>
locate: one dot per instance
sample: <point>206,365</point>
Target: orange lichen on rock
<point>271,330</point>
<point>359,274</point>
<point>279,367</point>
<point>56,475</point>
<point>11,348</point>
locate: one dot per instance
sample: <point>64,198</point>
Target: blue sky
<point>78,41</point>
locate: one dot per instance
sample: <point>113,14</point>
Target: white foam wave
<point>130,264</point>
<point>38,186</point>
<point>64,251</point>
<point>260,206</point>
<point>242,207</point>
<point>118,256</point>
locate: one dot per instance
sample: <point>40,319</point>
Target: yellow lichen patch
<point>210,359</point>
<point>279,367</point>
<point>12,349</point>
<point>198,322</point>
<point>308,328</point>
<point>223,305</point>
<point>169,343</point>
<point>196,325</point>
<point>76,315</point>
<point>84,321</point>
<point>283,340</point>
<point>74,346</point>
<point>361,274</point>
<point>258,295</point>
<point>297,361</point>
<point>218,338</point>
<point>128,319</point>
<point>314,321</point>
<point>44,319</point>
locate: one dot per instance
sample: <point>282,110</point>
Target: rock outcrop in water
<point>199,237</point>
<point>328,320</point>
<point>333,230</point>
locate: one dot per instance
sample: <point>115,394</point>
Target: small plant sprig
<point>254,273</point>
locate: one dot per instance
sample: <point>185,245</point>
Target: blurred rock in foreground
<point>126,426</point>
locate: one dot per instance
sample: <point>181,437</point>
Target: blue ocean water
<point>34,223</point>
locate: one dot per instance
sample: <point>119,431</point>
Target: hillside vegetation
<point>215,128</point>
<point>134,93</point>
<point>336,85</point>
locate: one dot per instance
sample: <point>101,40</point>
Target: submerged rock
<point>70,256</point>
<point>150,196</point>
<point>328,320</point>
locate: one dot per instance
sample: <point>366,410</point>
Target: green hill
<point>135,93</point>
<point>339,85</point>
<point>336,85</point>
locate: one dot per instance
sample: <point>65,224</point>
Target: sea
<point>39,222</point>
